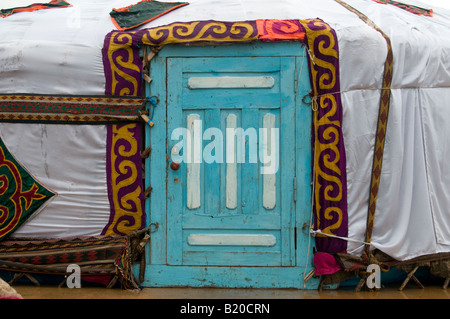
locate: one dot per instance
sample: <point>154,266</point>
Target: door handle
<point>175,166</point>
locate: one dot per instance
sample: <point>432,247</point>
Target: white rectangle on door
<point>231,82</point>
<point>269,179</point>
<point>193,163</point>
<point>231,178</point>
<point>231,240</point>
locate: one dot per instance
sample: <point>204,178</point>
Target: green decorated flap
<point>142,12</point>
<point>4,12</point>
<point>21,195</point>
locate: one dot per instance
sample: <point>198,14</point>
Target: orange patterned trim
<point>276,30</point>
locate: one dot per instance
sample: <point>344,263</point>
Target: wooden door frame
<point>158,274</point>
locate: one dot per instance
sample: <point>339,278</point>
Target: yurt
<point>264,144</point>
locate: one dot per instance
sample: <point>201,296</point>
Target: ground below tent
<point>431,291</point>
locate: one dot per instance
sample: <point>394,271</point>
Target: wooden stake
<point>147,120</point>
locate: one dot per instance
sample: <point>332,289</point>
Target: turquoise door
<point>227,201</point>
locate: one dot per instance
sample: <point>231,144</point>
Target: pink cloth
<point>325,264</point>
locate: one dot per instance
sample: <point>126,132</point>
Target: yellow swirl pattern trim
<point>199,31</point>
<point>321,42</point>
<point>128,207</point>
<point>125,43</point>
<point>121,55</point>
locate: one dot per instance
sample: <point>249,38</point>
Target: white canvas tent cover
<point>58,51</point>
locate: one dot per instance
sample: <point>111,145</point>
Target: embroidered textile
<point>330,182</point>
<point>277,30</point>
<point>122,63</point>
<point>37,6</point>
<point>123,144</point>
<point>123,73</point>
<point>408,7</point>
<point>21,194</point>
<point>95,255</point>
<point>56,108</point>
<point>144,11</point>
<point>124,174</point>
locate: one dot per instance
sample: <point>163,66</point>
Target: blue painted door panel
<point>214,232</point>
<point>225,223</point>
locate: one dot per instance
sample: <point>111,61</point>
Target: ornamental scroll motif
<point>21,195</point>
<point>123,67</point>
<point>200,31</point>
<point>124,169</point>
<point>277,30</point>
<point>123,72</point>
<point>330,189</point>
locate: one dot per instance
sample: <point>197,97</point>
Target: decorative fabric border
<point>330,181</point>
<point>278,30</point>
<point>48,108</point>
<point>122,63</point>
<point>55,251</point>
<point>124,71</point>
<point>103,258</point>
<point>125,185</point>
<point>408,7</point>
<point>37,6</point>
<point>62,119</point>
<point>21,195</point>
<point>381,125</point>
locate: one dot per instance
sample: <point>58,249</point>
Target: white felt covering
<point>58,51</point>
